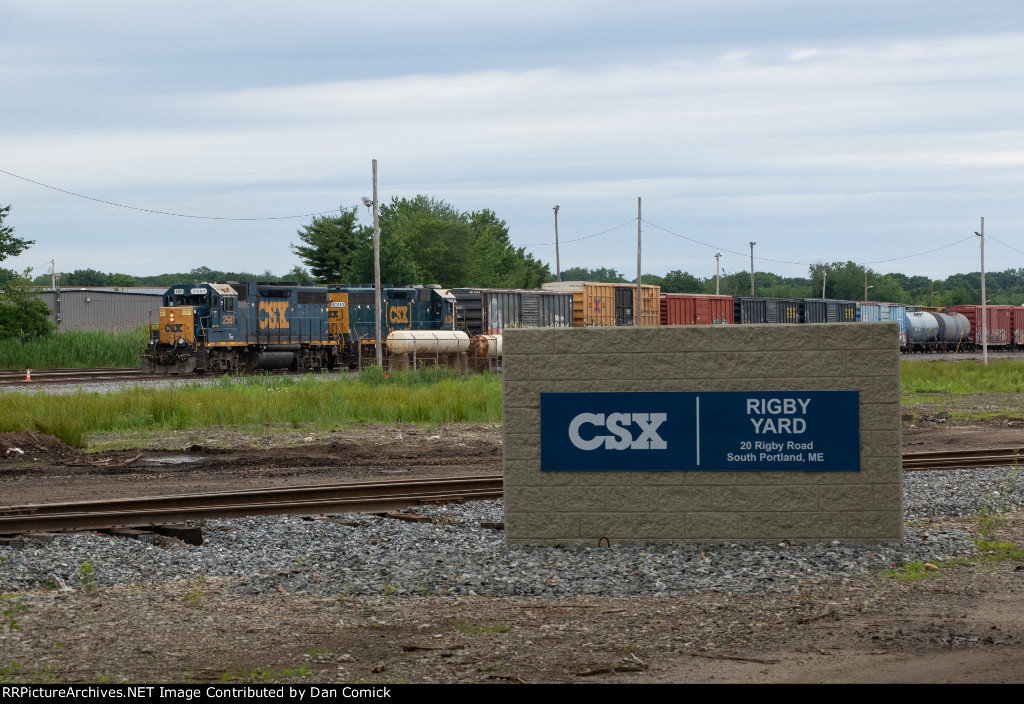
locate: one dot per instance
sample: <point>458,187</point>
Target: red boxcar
<point>999,324</point>
<point>1018,326</point>
<point>696,309</point>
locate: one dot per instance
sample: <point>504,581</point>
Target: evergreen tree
<point>331,244</point>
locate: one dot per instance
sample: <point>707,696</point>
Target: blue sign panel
<point>816,431</point>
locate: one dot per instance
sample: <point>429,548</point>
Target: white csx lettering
<point>622,436</point>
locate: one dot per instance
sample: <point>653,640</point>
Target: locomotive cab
<point>192,318</point>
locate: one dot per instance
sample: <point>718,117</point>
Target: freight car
<point>601,304</point>
<point>937,332</point>
<point>696,309</point>
<point>488,311</point>
<point>758,309</point>
<point>224,327</point>
<point>999,325</point>
<point>884,313</point>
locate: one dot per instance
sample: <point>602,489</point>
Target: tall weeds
<point>963,377</point>
<point>75,349</point>
<point>441,396</point>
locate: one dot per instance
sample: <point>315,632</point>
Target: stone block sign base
<point>565,507</point>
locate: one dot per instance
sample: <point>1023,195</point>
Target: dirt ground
<point>964,624</point>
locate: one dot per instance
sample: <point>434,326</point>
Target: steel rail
<point>962,459</point>
<point>307,500</point>
<point>17,377</point>
<point>325,499</point>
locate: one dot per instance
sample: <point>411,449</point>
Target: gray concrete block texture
<point>691,507</point>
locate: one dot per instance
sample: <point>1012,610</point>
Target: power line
<point>909,256</point>
<point>723,249</point>
<point>160,212</point>
<point>1005,245</point>
<point>580,239</point>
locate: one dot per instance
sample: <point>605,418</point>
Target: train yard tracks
<point>329,499</point>
<point>323,499</point>
<point>962,459</point>
<point>31,377</point>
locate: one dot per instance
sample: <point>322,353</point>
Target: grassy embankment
<point>961,390</point>
<point>75,349</point>
<point>433,397</point>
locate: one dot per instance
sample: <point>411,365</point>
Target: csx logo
<point>399,315</point>
<point>171,327</point>
<point>621,437</point>
<point>272,315</point>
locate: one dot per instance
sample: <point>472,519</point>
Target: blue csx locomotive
<point>222,327</point>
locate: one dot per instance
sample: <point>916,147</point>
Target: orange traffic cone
<point>28,375</point>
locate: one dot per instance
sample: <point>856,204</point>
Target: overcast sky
<point>822,130</point>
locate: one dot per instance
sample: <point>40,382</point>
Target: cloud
<point>777,134</point>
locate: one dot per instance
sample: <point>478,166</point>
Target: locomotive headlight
<point>181,341</point>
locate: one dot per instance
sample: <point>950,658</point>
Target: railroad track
<point>962,459</point>
<point>320,499</point>
<point>326,499</point>
<point>21,377</point>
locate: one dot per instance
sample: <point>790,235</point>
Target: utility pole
<point>558,266</point>
<point>56,291</point>
<point>824,277</point>
<point>865,288</point>
<point>984,305</point>
<point>376,267</point>
<point>639,298</point>
<point>718,276</point>
<point>752,268</point>
<point>931,301</point>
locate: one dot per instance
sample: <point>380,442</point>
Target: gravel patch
<point>962,492</point>
<point>456,555</point>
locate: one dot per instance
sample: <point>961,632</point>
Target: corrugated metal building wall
<point>103,309</point>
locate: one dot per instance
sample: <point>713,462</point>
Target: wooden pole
<point>376,267</point>
<point>637,314</point>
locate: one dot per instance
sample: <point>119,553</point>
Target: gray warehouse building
<point>109,309</point>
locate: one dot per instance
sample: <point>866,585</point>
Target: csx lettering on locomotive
<point>171,327</point>
<point>273,315</point>
<point>398,315</point>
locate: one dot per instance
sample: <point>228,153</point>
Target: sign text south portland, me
<point>701,431</point>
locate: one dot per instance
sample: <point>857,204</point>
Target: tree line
<point>424,240</point>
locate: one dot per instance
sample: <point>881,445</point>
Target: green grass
<point>433,397</point>
<point>427,396</point>
<point>962,377</point>
<point>75,349</point>
<point>989,551</point>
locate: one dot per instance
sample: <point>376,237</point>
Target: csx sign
<point>700,431</point>
<point>399,314</point>
<point>174,327</point>
<point>273,315</point>
<point>619,424</point>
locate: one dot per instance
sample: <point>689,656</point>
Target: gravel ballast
<point>456,555</point>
